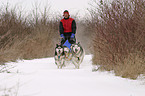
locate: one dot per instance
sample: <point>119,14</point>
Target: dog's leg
<point>78,64</point>
<point>57,61</point>
<point>58,64</point>
<point>81,58</point>
<point>62,63</point>
<point>75,63</point>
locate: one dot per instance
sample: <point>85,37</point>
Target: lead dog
<point>78,54</point>
<point>59,56</point>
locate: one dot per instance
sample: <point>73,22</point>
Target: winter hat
<point>66,11</point>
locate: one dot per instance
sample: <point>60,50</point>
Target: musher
<point>67,29</point>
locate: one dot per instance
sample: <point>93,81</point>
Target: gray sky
<point>56,5</point>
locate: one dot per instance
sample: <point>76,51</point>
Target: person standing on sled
<point>67,29</point>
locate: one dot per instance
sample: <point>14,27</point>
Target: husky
<point>78,54</point>
<point>68,54</point>
<point>59,56</point>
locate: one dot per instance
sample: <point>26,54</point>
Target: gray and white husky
<point>59,56</point>
<point>78,54</point>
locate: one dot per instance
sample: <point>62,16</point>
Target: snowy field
<point>40,77</point>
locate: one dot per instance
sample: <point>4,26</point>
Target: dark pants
<point>68,37</point>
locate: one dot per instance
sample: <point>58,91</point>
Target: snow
<point>40,77</point>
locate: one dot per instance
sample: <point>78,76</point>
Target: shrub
<point>118,43</point>
<point>26,37</point>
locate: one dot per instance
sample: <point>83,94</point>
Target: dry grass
<point>119,30</point>
<point>133,66</point>
<point>26,38</point>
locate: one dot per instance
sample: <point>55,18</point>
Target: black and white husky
<point>59,56</point>
<point>78,54</point>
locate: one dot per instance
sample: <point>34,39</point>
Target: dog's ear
<point>61,45</point>
<point>78,43</point>
<point>72,45</point>
<point>56,45</point>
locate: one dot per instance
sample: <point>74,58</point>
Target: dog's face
<point>66,50</point>
<point>59,49</point>
<point>76,47</point>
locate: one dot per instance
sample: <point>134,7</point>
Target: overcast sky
<point>57,5</point>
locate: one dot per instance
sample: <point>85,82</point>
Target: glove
<point>72,35</point>
<point>62,35</point>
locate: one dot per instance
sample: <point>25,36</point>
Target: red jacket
<point>67,25</point>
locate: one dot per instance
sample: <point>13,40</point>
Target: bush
<point>26,37</point>
<point>118,43</point>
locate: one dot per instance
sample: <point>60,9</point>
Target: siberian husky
<point>68,54</point>
<point>59,56</point>
<point>78,54</point>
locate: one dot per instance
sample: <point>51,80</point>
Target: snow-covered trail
<point>40,77</point>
